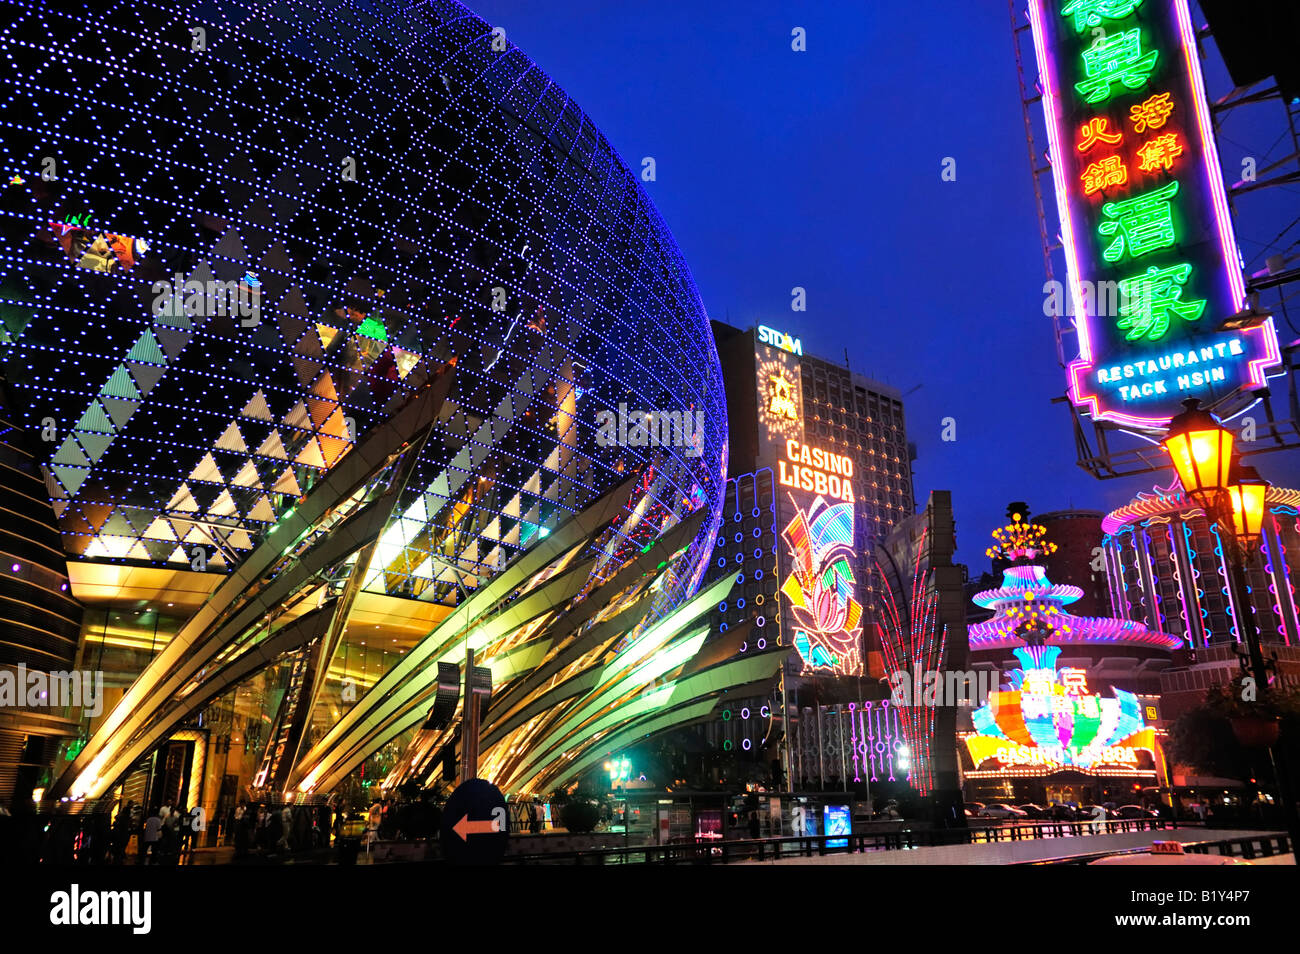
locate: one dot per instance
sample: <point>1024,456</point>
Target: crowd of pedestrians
<point>273,830</point>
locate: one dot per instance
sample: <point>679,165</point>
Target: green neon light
<point>641,730</point>
<point>1090,13</point>
<point>662,662</point>
<point>373,328</point>
<point>662,631</point>
<point>1141,224</point>
<point>678,709</point>
<point>1117,58</point>
<point>1087,725</point>
<point>1148,300</point>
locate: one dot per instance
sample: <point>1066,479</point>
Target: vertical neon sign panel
<point>820,589</point>
<point>1153,263</point>
<point>821,616</point>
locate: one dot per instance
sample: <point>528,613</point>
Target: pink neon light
<point>1047,71</point>
<point>1285,598</point>
<point>1257,369</point>
<point>1170,501</point>
<point>1085,631</point>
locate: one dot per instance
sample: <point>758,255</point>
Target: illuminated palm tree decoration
<point>1020,541</point>
<point>913,643</point>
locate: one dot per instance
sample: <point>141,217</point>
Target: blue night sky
<point>822,169</point>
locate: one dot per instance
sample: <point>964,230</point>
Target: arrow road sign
<point>465,827</point>
<point>475,825</point>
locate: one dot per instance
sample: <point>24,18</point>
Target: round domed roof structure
<point>265,229</point>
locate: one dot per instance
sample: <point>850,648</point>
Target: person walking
<point>152,833</point>
<point>285,840</point>
<point>169,841</point>
<point>262,831</point>
<point>122,832</point>
<point>242,825</point>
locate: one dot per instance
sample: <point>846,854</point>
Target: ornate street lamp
<point>1201,449</point>
<point>1232,496</point>
<point>1246,494</point>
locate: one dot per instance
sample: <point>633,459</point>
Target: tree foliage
<point>1203,738</point>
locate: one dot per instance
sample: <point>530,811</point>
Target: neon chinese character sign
<point>1144,217</point>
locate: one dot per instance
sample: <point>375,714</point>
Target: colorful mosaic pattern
<point>266,231</point>
<point>827,619</point>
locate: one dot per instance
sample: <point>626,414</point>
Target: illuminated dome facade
<point>364,192</point>
<point>273,270</point>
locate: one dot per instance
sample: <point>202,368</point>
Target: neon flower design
<point>1020,540</point>
<point>820,587</point>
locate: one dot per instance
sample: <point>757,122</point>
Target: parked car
<point>1032,811</point>
<point>1136,811</point>
<point>999,810</point>
<point>974,806</point>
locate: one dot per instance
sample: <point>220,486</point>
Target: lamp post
<point>1232,496</point>
<point>1244,505</point>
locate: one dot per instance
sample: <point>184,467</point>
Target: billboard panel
<point>816,512</point>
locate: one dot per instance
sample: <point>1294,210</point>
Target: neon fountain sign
<point>1050,719</point>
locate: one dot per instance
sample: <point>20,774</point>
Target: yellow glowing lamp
<point>1247,493</point>
<point>1201,450</point>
